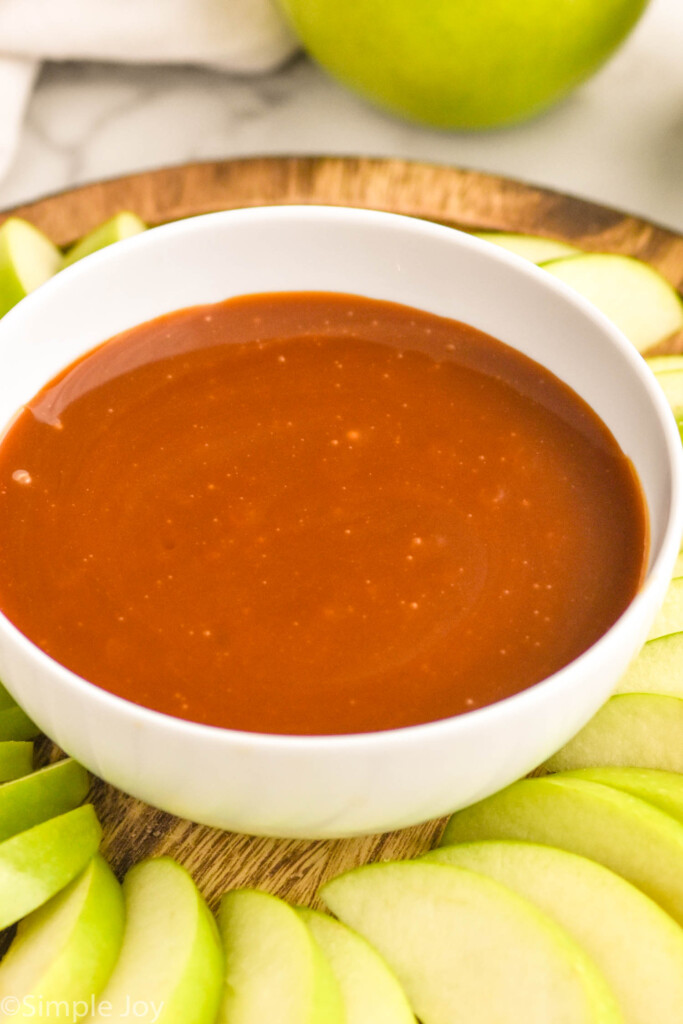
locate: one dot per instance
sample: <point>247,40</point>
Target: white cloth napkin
<point>243,36</point>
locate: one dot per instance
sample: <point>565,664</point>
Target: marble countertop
<point>617,140</point>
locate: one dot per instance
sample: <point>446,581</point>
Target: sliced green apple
<point>532,247</point>
<point>625,834</point>
<point>370,991</point>
<point>27,801</point>
<point>171,964</point>
<point>122,225</point>
<point>657,668</point>
<point>16,725</point>
<point>638,947</point>
<point>16,759</point>
<point>467,948</point>
<point>274,969</point>
<point>6,699</point>
<point>678,567</point>
<point>670,616</point>
<point>633,295</point>
<point>659,788</point>
<point>36,864</point>
<point>641,729</point>
<point>665,363</point>
<point>66,950</point>
<point>671,383</point>
<point>27,259</point>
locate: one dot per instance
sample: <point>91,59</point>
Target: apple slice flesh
<point>638,947</point>
<point>663,790</point>
<point>171,965</point>
<point>370,991</point>
<point>532,247</point>
<point>36,864</point>
<point>66,950</point>
<point>665,363</point>
<point>671,383</point>
<point>122,225</point>
<point>274,969</point>
<point>27,801</point>
<point>16,759</point>
<point>670,616</point>
<point>657,668</point>
<point>644,730</point>
<point>16,725</point>
<point>465,947</point>
<point>27,259</point>
<point>625,834</point>
<point>633,295</point>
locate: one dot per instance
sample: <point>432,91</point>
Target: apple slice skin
<point>171,964</point>
<point>658,668</point>
<point>274,969</point>
<point>121,225</point>
<point>27,259</point>
<point>16,725</point>
<point>633,295</point>
<point>66,950</point>
<point>531,247</point>
<point>36,864</point>
<point>27,801</point>
<point>664,790</point>
<point>16,759</point>
<point>600,911</point>
<point>466,948</point>
<point>633,729</point>
<point>665,363</point>
<point>370,991</point>
<point>619,831</point>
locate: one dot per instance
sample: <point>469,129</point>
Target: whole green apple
<point>462,63</point>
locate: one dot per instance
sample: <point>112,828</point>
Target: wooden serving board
<point>294,869</point>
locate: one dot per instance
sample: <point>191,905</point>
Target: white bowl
<point>339,785</point>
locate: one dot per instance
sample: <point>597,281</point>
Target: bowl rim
<point>148,719</point>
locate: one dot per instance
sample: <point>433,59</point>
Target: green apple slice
<point>670,616</point>
<point>121,226</point>
<point>665,363</point>
<point>370,990</point>
<point>642,963</point>
<point>38,863</point>
<point>663,790</point>
<point>66,950</point>
<point>671,383</point>
<point>27,801</point>
<point>6,699</point>
<point>27,259</point>
<point>16,759</point>
<point>633,295</point>
<point>641,729</point>
<point>16,725</point>
<point>657,668</point>
<point>532,247</point>
<point>625,834</point>
<point>467,948</point>
<point>171,965</point>
<point>678,567</point>
<point>274,969</point>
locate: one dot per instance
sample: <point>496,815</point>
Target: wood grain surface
<point>461,198</point>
